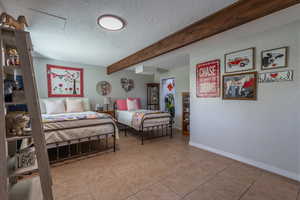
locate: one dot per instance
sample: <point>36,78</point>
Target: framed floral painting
<point>238,61</point>
<point>64,81</point>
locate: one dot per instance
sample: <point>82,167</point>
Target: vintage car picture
<point>274,58</point>
<point>238,61</point>
<point>241,86</point>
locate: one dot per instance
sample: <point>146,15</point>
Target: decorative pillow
<point>132,104</point>
<point>138,100</point>
<point>55,106</point>
<point>121,104</point>
<point>74,105</point>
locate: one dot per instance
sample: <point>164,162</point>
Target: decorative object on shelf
<point>8,90</point>
<point>103,88</point>
<point>280,76</point>
<point>26,158</point>
<point>13,85</point>
<point>11,22</point>
<point>153,96</point>
<point>12,57</point>
<point>15,123</point>
<point>241,86</point>
<point>18,95</point>
<point>274,58</point>
<point>208,79</point>
<point>127,84</point>
<point>243,60</point>
<point>186,113</point>
<point>107,102</point>
<point>64,81</point>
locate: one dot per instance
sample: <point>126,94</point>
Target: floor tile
<point>219,188</point>
<point>186,179</point>
<point>132,198</point>
<point>166,169</point>
<point>273,187</point>
<point>110,190</point>
<point>209,194</point>
<point>243,173</point>
<point>157,192</point>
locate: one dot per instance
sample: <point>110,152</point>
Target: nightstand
<point>110,112</point>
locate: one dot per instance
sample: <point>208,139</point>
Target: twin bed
<point>73,134</point>
<point>147,124</point>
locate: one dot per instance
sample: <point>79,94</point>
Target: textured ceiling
<point>74,35</point>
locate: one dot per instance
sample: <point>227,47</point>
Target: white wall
<point>266,132</point>
<point>182,84</point>
<point>92,75</point>
<point>2,9</point>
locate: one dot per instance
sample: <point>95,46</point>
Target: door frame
<point>161,92</point>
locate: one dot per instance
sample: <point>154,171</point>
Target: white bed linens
<point>71,126</point>
<point>127,117</point>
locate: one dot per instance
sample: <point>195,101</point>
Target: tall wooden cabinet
<point>153,96</point>
<point>186,113</point>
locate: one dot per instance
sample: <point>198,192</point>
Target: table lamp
<point>107,102</point>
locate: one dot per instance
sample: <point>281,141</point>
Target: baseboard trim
<point>257,164</point>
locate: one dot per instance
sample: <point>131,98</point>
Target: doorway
<point>168,95</point>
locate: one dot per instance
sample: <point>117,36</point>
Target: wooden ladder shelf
<point>32,187</point>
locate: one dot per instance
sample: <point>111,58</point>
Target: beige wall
<point>92,75</point>
<point>266,132</point>
<point>181,75</point>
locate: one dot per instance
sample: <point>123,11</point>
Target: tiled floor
<point>165,169</point>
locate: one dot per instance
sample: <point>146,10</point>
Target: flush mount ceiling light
<point>111,22</point>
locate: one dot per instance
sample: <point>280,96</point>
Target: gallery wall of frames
<point>241,77</point>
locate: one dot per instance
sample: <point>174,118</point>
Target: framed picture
<point>241,86</point>
<point>238,61</point>
<point>103,88</point>
<point>269,77</point>
<point>208,79</point>
<point>127,84</point>
<point>64,81</point>
<point>274,58</point>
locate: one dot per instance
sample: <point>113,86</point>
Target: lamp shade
<point>107,100</point>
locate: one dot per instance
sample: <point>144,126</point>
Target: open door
<point>168,95</point>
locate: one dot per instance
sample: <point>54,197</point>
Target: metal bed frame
<point>80,141</point>
<point>152,132</point>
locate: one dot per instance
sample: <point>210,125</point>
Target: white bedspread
<point>133,118</point>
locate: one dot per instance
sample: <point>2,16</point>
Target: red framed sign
<point>64,81</point>
<point>208,79</point>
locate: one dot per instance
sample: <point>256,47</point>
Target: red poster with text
<point>208,79</point>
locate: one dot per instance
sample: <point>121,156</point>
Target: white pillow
<point>55,106</point>
<point>74,105</point>
<point>132,104</point>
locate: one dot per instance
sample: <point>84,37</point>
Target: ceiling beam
<point>239,13</point>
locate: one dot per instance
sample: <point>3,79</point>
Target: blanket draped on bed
<point>152,118</point>
<point>71,126</point>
